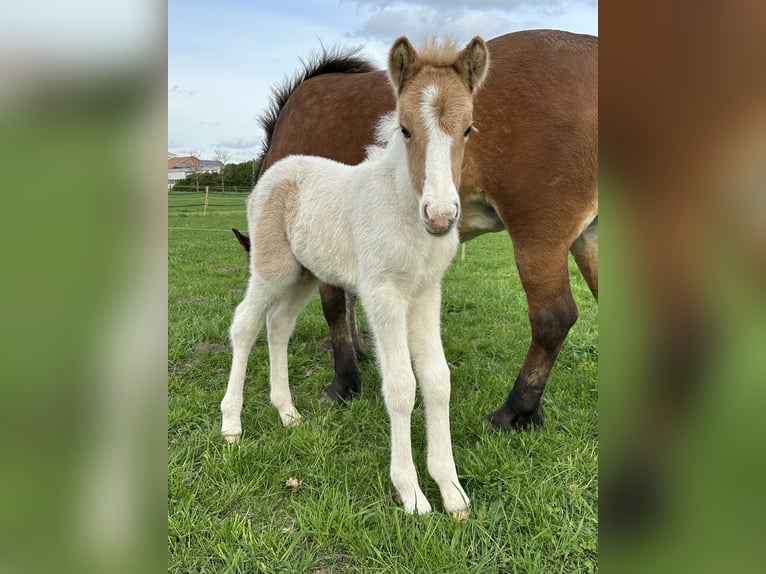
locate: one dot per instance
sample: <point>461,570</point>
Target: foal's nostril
<point>451,214</point>
<point>442,220</point>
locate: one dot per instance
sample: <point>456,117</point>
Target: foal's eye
<point>467,132</point>
<point>406,133</point>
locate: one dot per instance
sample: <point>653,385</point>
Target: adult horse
<point>530,167</point>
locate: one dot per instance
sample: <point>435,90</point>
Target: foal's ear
<point>402,64</point>
<point>472,63</point>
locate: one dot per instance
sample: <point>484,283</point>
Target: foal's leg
<point>248,322</point>
<point>387,314</point>
<point>552,312</point>
<point>434,378</point>
<point>280,325</point>
<point>347,381</point>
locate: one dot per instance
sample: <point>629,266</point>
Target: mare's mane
<point>328,61</point>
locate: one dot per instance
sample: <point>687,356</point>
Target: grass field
<point>237,509</point>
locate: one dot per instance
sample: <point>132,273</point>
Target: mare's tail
<point>243,239</point>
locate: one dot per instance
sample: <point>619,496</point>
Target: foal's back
<point>300,210</point>
<point>342,223</point>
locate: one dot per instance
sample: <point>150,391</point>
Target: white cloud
<point>504,5</point>
<point>239,143</point>
<point>488,18</point>
<point>423,23</point>
<point>222,63</point>
<point>176,89</point>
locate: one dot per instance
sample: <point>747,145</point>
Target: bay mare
<point>530,167</point>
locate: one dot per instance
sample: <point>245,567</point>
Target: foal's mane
<point>435,53</point>
<point>431,53</point>
<point>328,61</point>
<point>387,126</point>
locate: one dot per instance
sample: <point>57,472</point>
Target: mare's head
<point>435,89</point>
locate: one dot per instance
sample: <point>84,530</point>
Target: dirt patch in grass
<point>225,270</point>
<point>191,301</point>
<point>207,348</point>
<point>200,351</point>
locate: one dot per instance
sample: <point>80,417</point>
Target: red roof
<point>187,161</point>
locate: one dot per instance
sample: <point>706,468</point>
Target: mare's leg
<point>352,326</point>
<point>434,378</point>
<point>248,322</point>
<point>552,312</point>
<point>280,325</point>
<point>387,312</point>
<point>347,381</point>
<point>585,253</point>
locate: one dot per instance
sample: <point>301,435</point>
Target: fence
<point>208,198</point>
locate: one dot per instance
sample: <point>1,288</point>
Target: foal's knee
<point>435,384</point>
<point>280,327</point>
<point>399,394</point>
<point>244,326</point>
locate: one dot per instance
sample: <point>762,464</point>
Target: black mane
<point>329,61</point>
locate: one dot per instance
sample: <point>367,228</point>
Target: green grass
<point>533,495</point>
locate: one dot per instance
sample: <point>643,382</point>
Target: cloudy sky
<point>224,56</point>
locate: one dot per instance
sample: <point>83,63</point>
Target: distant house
<point>181,167</point>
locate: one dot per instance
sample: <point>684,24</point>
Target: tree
<point>238,175</point>
<point>195,166</point>
<point>222,156</point>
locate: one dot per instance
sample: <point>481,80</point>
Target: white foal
<point>385,230</point>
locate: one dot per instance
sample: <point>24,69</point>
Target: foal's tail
<point>329,61</point>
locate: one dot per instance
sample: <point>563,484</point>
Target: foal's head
<point>435,89</point>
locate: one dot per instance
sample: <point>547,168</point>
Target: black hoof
<point>337,393</point>
<point>506,419</point>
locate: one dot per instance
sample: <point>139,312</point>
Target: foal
<point>384,229</point>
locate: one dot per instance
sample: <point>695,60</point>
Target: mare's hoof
<point>337,394</point>
<point>232,438</point>
<point>459,514</point>
<point>506,419</point>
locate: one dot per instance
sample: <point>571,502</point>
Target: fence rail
<point>209,198</point>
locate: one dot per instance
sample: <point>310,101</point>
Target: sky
<point>224,56</point>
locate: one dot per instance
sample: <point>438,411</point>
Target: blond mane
<point>435,53</point>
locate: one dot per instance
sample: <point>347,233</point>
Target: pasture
<point>317,498</point>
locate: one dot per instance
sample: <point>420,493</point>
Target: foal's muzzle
<point>440,221</point>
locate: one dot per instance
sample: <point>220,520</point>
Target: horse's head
<point>435,89</point>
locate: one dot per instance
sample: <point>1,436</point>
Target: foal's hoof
<point>506,419</point>
<point>416,503</point>
<point>290,419</point>
<point>459,514</point>
<point>232,438</point>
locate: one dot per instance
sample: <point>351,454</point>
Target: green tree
<point>238,177</point>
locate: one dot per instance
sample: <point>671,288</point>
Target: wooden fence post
<point>204,211</point>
